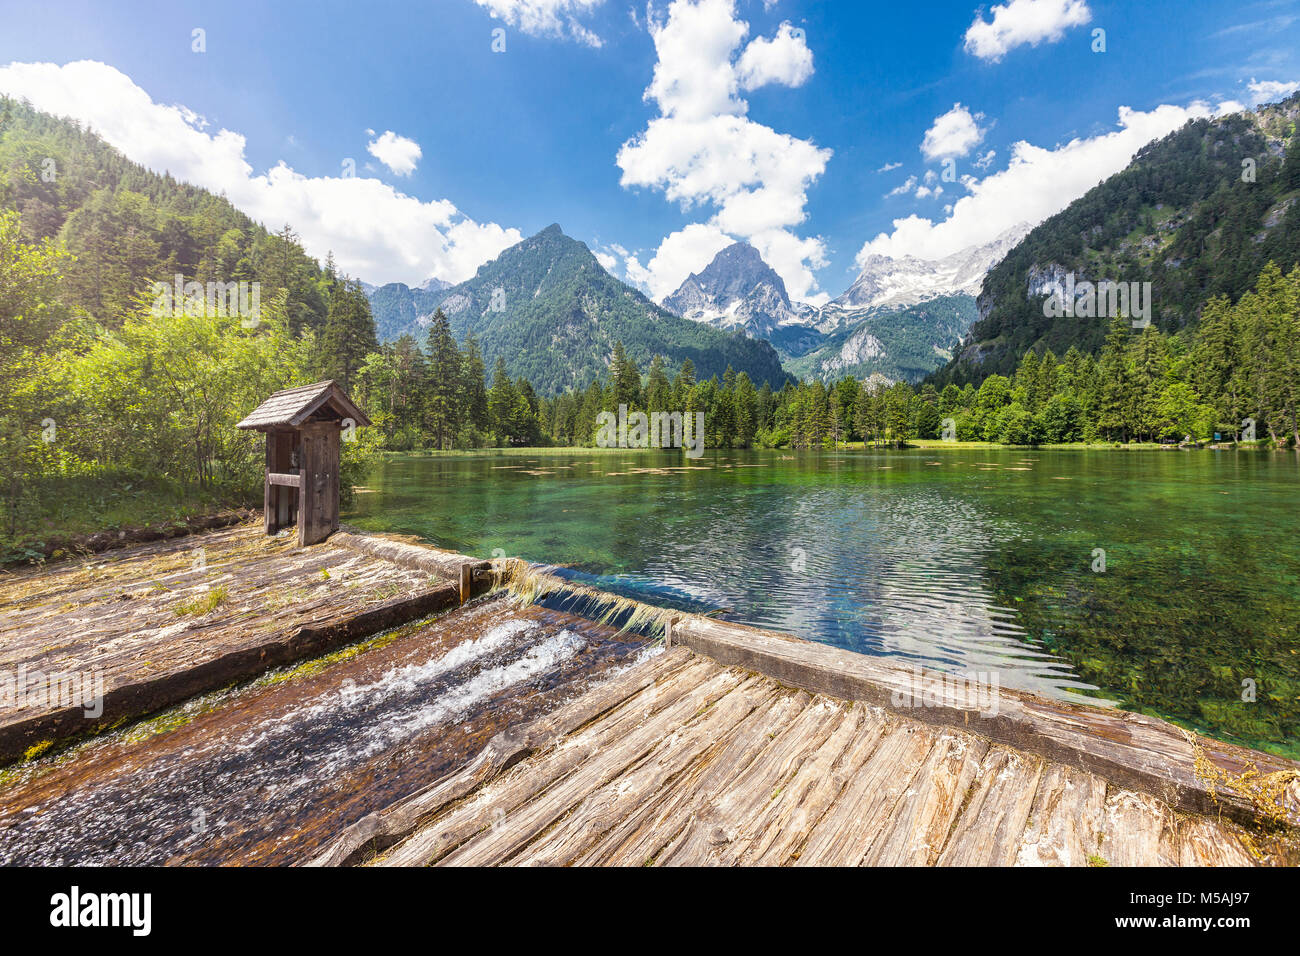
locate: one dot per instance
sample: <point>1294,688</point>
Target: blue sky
<point>767,120</point>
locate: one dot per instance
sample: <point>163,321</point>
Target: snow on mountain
<point>738,291</point>
<point>901,282</point>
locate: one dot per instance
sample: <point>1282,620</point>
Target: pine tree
<point>474,379</point>
<point>443,406</point>
<point>349,334</point>
<point>625,379</point>
<point>1114,389</point>
<point>658,390</point>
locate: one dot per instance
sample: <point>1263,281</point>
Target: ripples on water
<point>969,561</point>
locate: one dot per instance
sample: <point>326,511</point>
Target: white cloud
<point>398,153</point>
<point>785,59</point>
<point>888,167</point>
<point>1020,22</point>
<point>1037,183</point>
<point>375,231</point>
<point>1269,91</point>
<point>702,150</point>
<point>985,161</point>
<point>553,18</point>
<point>955,133</point>
<point>902,188</point>
<point>685,251</point>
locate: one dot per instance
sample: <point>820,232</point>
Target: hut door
<point>318,504</point>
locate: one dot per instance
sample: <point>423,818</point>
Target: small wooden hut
<point>303,428</point>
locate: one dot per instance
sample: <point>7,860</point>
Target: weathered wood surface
<point>447,564</point>
<point>139,621</point>
<point>1132,750</point>
<point>686,761</point>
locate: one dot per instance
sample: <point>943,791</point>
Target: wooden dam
<point>730,745</point>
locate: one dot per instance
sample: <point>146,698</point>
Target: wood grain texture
<point>157,623</point>
<point>683,761</point>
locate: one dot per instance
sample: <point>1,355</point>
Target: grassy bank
<point>59,511</point>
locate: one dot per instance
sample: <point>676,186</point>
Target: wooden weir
<point>742,746</point>
<point>734,745</point>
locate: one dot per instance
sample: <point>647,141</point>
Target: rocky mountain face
<point>878,327</point>
<point>890,343</point>
<point>553,314</point>
<point>886,282</point>
<point>738,291</point>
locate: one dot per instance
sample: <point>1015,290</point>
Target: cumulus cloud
<point>375,231</point>
<point>1037,183</point>
<point>785,59</point>
<point>398,153</point>
<point>953,134</point>
<point>1020,22</point>
<point>703,150</point>
<point>551,18</point>
<point>1269,91</point>
<point>685,251</point>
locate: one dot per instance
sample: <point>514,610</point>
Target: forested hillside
<point>127,227</point>
<point>1198,214</point>
<point>902,344</point>
<point>549,310</point>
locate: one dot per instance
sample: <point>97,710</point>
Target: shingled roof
<point>293,406</point>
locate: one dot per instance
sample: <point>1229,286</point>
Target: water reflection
<point>963,560</point>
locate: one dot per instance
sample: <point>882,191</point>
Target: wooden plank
<point>1132,750</point>
<point>284,480</point>
<point>435,561</point>
<point>653,825</point>
<point>608,708</point>
<point>988,830</point>
<point>118,620</point>
<point>719,703</point>
<point>924,816</point>
<point>694,687</point>
<point>726,826</point>
<point>1065,824</point>
<point>806,799</point>
<point>1139,831</point>
<point>1207,842</point>
<point>845,834</point>
<point>605,806</point>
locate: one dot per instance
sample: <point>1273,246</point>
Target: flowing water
<point>268,772</point>
<point>979,561</point>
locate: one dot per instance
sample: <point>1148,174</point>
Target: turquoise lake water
<point>976,561</point>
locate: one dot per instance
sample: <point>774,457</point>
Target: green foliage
<point>914,342</point>
<point>1186,215</point>
<point>127,227</point>
<point>553,314</point>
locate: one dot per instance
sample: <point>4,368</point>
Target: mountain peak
<point>552,230</point>
<point>737,290</point>
<point>910,280</point>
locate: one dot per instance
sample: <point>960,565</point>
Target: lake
<point>1166,582</point>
